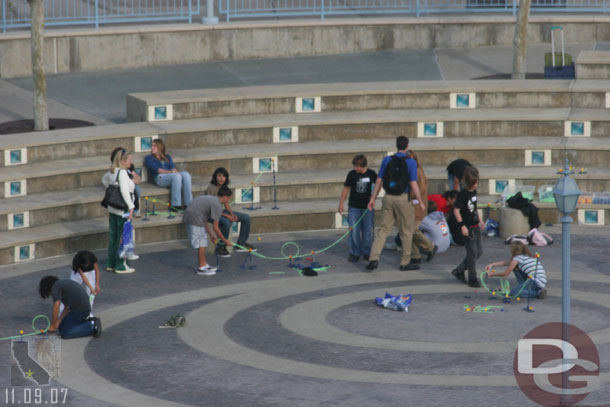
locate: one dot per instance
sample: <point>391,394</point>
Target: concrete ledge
<point>593,65</point>
<point>132,47</point>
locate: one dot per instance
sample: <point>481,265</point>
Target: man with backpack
<point>398,175</point>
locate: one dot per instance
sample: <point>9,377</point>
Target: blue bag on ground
<point>396,303</point>
<point>127,243</point>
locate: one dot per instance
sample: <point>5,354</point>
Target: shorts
<point>197,236</point>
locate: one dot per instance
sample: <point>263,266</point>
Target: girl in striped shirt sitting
<point>527,268</point>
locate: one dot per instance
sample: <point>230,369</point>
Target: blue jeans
<point>361,236</point>
<point>474,250</point>
<point>75,325</point>
<point>180,184</point>
<point>244,231</point>
<point>531,289</point>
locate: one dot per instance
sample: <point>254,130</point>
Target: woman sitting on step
<point>162,170</point>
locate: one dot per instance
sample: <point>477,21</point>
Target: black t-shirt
<point>360,187</point>
<point>466,202</point>
<point>457,167</point>
<point>71,294</point>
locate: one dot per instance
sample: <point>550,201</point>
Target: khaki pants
<point>396,208</point>
<point>420,241</point>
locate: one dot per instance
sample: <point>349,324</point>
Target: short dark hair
<point>83,261</point>
<point>45,286</point>
<point>360,161</point>
<point>224,191</point>
<point>450,194</point>
<point>223,171</point>
<point>402,142</point>
<point>471,176</point>
<point>432,207</point>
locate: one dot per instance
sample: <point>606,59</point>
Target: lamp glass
<point>566,194</point>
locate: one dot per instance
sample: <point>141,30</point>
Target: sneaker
<point>352,258</point>
<point>132,256</point>
<point>222,251</point>
<point>410,266</point>
<point>206,270</point>
<point>126,270</point>
<point>474,283</point>
<point>431,254</point>
<point>542,294</point>
<point>97,327</point>
<point>460,276</point>
<point>110,269</point>
<point>391,246</point>
<point>137,214</point>
<point>373,264</point>
<point>415,261</point>
<point>247,247</point>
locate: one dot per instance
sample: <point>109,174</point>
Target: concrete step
<point>336,97</point>
<point>53,146</point>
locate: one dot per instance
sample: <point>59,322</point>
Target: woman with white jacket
<point>118,172</point>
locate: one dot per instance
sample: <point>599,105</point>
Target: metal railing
<point>16,13</point>
<point>233,9</point>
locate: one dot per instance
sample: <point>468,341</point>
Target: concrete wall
<point>593,65</point>
<point>133,47</point>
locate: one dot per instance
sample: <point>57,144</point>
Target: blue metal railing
<point>233,9</point>
<point>16,13</point>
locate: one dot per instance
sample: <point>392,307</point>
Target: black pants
<point>474,250</point>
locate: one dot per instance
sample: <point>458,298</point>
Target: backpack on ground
<point>539,238</point>
<point>396,177</point>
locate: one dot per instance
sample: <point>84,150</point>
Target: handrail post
<point>3,16</point>
<point>97,15</point>
<point>515,8</point>
<point>417,5</point>
<point>322,10</point>
<point>210,18</point>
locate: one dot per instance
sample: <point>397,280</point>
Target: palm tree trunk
<point>41,117</point>
<point>520,40</point>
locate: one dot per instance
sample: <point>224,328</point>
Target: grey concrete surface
<point>103,94</point>
<point>261,339</point>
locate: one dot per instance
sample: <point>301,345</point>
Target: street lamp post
<point>566,194</point>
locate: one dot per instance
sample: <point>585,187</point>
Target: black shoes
<point>409,266</point>
<point>432,253</point>
<point>97,326</point>
<point>460,276</point>
<point>415,261</point>
<point>222,251</point>
<point>373,264</point>
<point>474,283</point>
<point>542,294</point>
<point>353,258</point>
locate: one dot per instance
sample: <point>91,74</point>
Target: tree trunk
<point>519,42</point>
<point>41,118</point>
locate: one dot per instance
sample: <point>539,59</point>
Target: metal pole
<point>97,17</point>
<point>3,16</point>
<point>210,18</point>
<point>565,301</point>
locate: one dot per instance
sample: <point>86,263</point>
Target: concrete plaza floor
<point>269,337</point>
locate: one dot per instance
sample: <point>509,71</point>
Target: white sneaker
<point>126,271</point>
<point>206,270</point>
<point>133,257</point>
<point>391,246</point>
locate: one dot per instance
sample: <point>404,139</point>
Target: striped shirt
<point>532,267</point>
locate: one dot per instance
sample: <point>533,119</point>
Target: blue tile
<point>308,104</point>
<point>146,143</point>
<point>429,129</point>
<point>264,164</point>
<point>247,195</point>
<point>462,100</point>
<point>16,188</point>
<point>160,112</point>
<point>18,220</point>
<point>15,156</point>
<point>24,252</point>
<point>501,186</point>
<point>285,134</point>
<point>591,217</point>
<point>578,129</point>
<point>537,157</point>
<point>344,220</point>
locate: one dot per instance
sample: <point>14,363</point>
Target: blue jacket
<point>154,165</point>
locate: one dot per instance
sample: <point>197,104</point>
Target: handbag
<point>113,196</point>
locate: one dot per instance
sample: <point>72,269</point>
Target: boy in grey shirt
<point>435,228</point>
<point>196,220</point>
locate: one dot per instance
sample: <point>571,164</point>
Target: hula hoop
<point>290,244</point>
<point>36,318</point>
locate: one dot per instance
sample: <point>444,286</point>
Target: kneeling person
<point>73,321</point>
<point>196,220</point>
